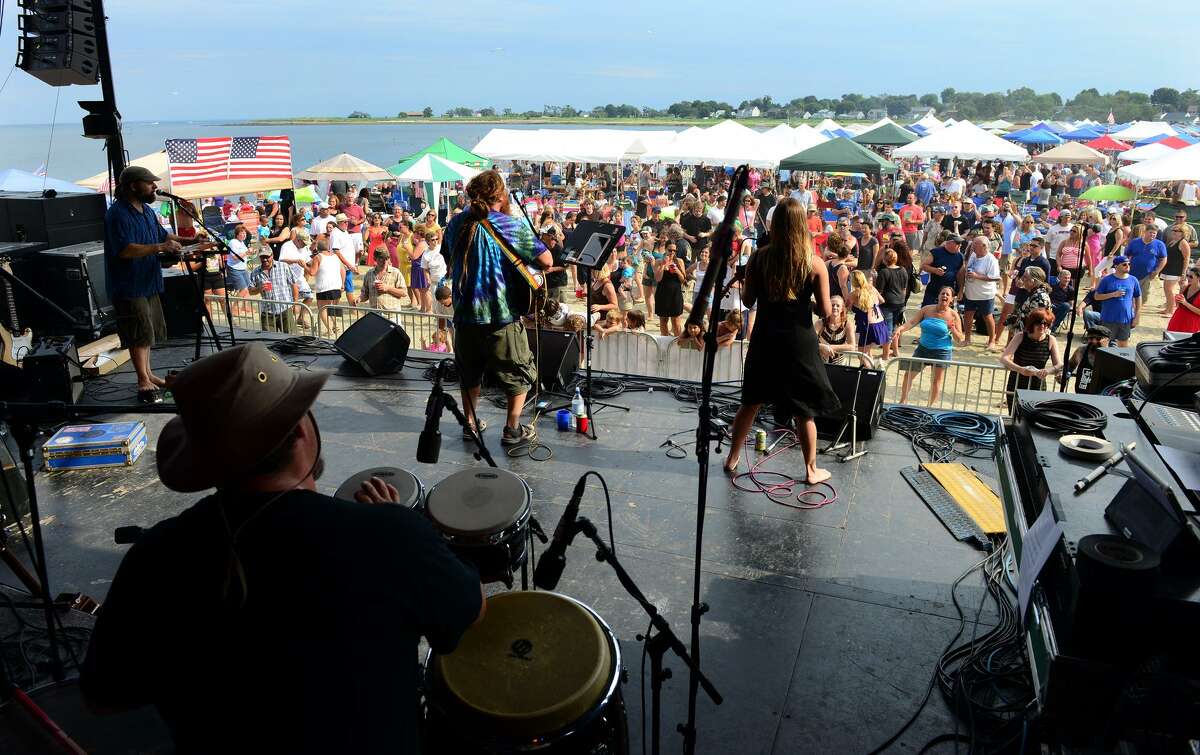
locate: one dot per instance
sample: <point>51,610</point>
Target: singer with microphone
<point>133,239</point>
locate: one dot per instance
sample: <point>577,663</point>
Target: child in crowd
<point>612,322</point>
<point>727,331</point>
<point>873,329</point>
<point>440,342</point>
<point>692,337</point>
<point>635,321</point>
<point>443,307</point>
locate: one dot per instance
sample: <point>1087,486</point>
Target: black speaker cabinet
<point>558,355</point>
<point>375,344</point>
<point>870,398</point>
<point>59,221</point>
<point>178,301</point>
<point>1112,364</point>
<point>73,277</point>
<point>52,366</point>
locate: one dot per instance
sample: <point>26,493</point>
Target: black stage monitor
<point>591,243</point>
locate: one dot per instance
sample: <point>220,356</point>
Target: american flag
<point>223,158</point>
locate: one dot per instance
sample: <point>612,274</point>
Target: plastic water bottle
<point>577,407</point>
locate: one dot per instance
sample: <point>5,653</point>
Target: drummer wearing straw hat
<point>269,617</point>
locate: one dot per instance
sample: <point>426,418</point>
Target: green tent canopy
<point>887,135</point>
<point>447,150</point>
<point>838,155</point>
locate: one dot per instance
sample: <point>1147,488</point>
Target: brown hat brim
<point>187,468</point>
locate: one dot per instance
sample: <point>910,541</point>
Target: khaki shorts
<point>502,352</point>
<point>140,321</point>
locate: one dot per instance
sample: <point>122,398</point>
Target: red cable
<point>47,723</point>
<point>781,492</point>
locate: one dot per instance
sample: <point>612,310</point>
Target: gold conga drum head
<point>536,663</point>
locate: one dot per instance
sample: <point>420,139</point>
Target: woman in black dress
<point>783,366</point>
<point>669,275</point>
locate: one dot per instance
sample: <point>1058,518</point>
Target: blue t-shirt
<point>952,262</point>
<point>1118,309</point>
<point>1143,257</point>
<point>925,191</point>
<point>847,204</point>
<point>131,278</point>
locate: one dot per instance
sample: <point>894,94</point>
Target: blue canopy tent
<point>15,180</point>
<point>1159,137</point>
<point>1049,127</point>
<point>1034,135</point>
<point>1084,134</point>
<point>834,133</point>
<point>917,129</point>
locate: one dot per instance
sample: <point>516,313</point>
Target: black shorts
<point>502,352</point>
<point>333,295</point>
<point>140,321</point>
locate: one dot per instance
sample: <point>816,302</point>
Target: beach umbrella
<point>436,170</point>
<point>344,167</point>
<point>24,181</point>
<point>1108,193</point>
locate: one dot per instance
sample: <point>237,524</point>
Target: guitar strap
<point>506,247</point>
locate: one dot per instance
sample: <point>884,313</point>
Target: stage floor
<point>824,624</point>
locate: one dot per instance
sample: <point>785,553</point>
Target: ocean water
<point>71,157</point>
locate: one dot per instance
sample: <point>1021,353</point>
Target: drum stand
<point>660,639</point>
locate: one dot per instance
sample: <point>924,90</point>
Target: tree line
<point>1020,104</point>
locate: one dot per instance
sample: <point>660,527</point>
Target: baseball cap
<point>955,238</point>
<point>1120,259</point>
<point>341,217</point>
<point>266,252</point>
<point>1099,331</point>
<point>133,173</point>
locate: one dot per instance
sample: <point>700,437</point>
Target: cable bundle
<point>779,486</point>
<point>984,679</point>
<point>943,436</point>
<point>1065,416</point>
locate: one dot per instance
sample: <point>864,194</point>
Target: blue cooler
<point>116,444</point>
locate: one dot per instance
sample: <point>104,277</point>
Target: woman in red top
<point>1186,318</point>
<point>373,236</point>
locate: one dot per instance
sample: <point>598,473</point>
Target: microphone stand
<point>661,638</point>
<point>203,315</point>
<point>721,250</point>
<point>1065,376</point>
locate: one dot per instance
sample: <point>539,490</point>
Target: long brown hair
<point>785,264</point>
<point>485,190</point>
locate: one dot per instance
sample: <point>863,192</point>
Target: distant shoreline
<point>633,122</point>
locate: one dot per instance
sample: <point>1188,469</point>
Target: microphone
<point>550,566</point>
<point>429,444</point>
<point>171,196</point>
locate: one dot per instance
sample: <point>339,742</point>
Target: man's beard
<point>147,198</point>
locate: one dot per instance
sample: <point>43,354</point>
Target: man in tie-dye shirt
<point>488,335</point>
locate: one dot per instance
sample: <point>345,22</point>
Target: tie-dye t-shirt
<point>478,284</point>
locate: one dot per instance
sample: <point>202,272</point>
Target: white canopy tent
<point>155,162</point>
<point>785,141</point>
<point>1151,151</point>
<point>727,143</point>
<point>930,122</point>
<point>881,122</point>
<point>570,145</point>
<point>999,124</point>
<point>1139,130</point>
<point>965,141</point>
<point>856,128</point>
<point>1073,153</point>
<point>828,124</point>
<point>1179,165</point>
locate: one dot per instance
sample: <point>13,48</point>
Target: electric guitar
<point>11,346</point>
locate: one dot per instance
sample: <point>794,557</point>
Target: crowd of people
<point>1005,241</point>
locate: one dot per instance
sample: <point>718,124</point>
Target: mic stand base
<point>660,639</point>
<point>851,424</point>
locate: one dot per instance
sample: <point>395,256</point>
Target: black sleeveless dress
<point>784,367</point>
<point>1029,353</point>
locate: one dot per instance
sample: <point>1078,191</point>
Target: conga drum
<point>483,515</point>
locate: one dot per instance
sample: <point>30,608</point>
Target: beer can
<point>760,440</point>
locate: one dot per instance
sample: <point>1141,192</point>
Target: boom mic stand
<point>203,317</point>
<point>1077,273</point>
<point>721,249</point>
<point>661,638</point>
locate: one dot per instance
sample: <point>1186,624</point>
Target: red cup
<point>266,287</point>
<point>582,425</point>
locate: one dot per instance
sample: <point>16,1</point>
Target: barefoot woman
<point>783,366</point>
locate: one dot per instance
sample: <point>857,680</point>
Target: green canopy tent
<point>887,135</point>
<point>447,150</point>
<point>838,156</point>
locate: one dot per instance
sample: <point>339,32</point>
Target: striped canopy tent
<point>344,167</point>
<point>447,150</point>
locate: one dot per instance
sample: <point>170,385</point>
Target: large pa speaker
<point>73,277</point>
<point>1112,364</point>
<point>60,220</point>
<point>58,42</point>
<point>178,301</point>
<point>375,344</point>
<point>870,398</point>
<point>52,366</point>
<point>557,355</point>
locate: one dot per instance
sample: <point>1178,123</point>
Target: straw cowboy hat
<point>234,408</point>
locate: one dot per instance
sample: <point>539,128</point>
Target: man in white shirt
<point>1056,235</point>
<point>1189,192</point>
<point>320,224</point>
<point>716,213</point>
<point>978,279</point>
<point>340,240</point>
<point>958,186</point>
<point>296,252</point>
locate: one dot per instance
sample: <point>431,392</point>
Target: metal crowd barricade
<point>688,364</point>
<point>246,314</point>
<point>627,353</point>
<point>966,386</point>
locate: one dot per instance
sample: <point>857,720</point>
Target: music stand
<point>588,247</point>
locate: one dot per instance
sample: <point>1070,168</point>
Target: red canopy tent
<point>1174,142</point>
<point>1108,144</point>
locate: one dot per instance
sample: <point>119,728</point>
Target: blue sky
<point>211,59</point>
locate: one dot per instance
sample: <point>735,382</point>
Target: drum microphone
<point>429,444</point>
<point>550,566</point>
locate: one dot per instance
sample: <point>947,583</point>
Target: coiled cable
<point>1062,415</point>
